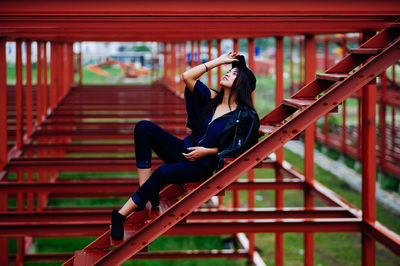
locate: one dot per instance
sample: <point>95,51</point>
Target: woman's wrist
<point>212,64</point>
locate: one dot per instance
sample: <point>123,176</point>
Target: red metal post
<point>29,113</point>
<point>198,52</point>
<point>368,167</point>
<point>178,64</point>
<point>301,51</point>
<point>53,76</point>
<point>219,68</point>
<point>235,192</point>
<point>359,127</point>
<point>209,45</point>
<point>3,141</point>
<point>28,90</point>
<point>344,128</point>
<point>326,65</point>
<point>279,95</point>
<point>173,65</point>
<point>71,65</point>
<point>393,129</point>
<point>359,113</point>
<point>344,135</point>
<point>39,95</point>
<point>184,64</point>
<point>185,61</point>
<point>57,77</point>
<point>291,89</point>
<point>80,64</point>
<point>65,69</point>
<point>192,54</point>
<point>3,107</point>
<point>382,120</point>
<point>310,67</point>
<point>60,72</point>
<point>251,194</point>
<point>165,61</point>
<point>19,96</point>
<point>45,90</point>
<point>236,45</point>
<point>250,51</point>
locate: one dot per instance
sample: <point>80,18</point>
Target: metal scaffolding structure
<point>42,124</point>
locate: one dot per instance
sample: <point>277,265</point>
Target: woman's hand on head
<point>228,58</point>
<point>199,152</point>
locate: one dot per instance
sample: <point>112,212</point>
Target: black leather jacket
<point>240,133</point>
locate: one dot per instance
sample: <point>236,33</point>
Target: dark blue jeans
<point>177,170</point>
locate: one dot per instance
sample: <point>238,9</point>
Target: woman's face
<point>229,78</point>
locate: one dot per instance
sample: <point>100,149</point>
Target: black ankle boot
<point>155,201</point>
<point>117,225</point>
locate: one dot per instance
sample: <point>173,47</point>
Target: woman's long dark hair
<point>241,86</point>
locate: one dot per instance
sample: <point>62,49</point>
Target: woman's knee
<point>142,127</point>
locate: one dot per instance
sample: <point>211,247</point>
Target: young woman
<point>223,123</point>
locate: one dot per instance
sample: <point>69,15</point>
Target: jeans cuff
<point>143,164</point>
<point>137,200</point>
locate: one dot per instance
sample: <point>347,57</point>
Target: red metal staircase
<point>291,117</point>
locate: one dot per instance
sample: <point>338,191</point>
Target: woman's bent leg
<point>128,207</point>
<point>148,137</point>
<point>177,173</point>
<point>143,175</point>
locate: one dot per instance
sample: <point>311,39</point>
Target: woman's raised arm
<point>190,76</point>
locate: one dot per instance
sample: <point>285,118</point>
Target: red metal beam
<point>3,105</point>
<point>279,96</point>
<point>28,90</point>
<point>3,141</point>
<point>153,255</point>
<point>39,86</point>
<point>209,58</point>
<point>138,20</point>
<point>368,193</point>
<point>189,228</point>
<point>19,96</point>
<point>385,236</point>
<point>309,146</point>
<point>123,11</point>
<point>124,186</point>
<point>210,214</point>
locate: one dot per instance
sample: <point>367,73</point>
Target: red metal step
<point>298,102</point>
<point>268,128</point>
<point>394,25</point>
<point>332,76</point>
<point>368,51</point>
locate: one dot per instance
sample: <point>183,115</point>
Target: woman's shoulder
<point>244,109</point>
<point>201,89</point>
